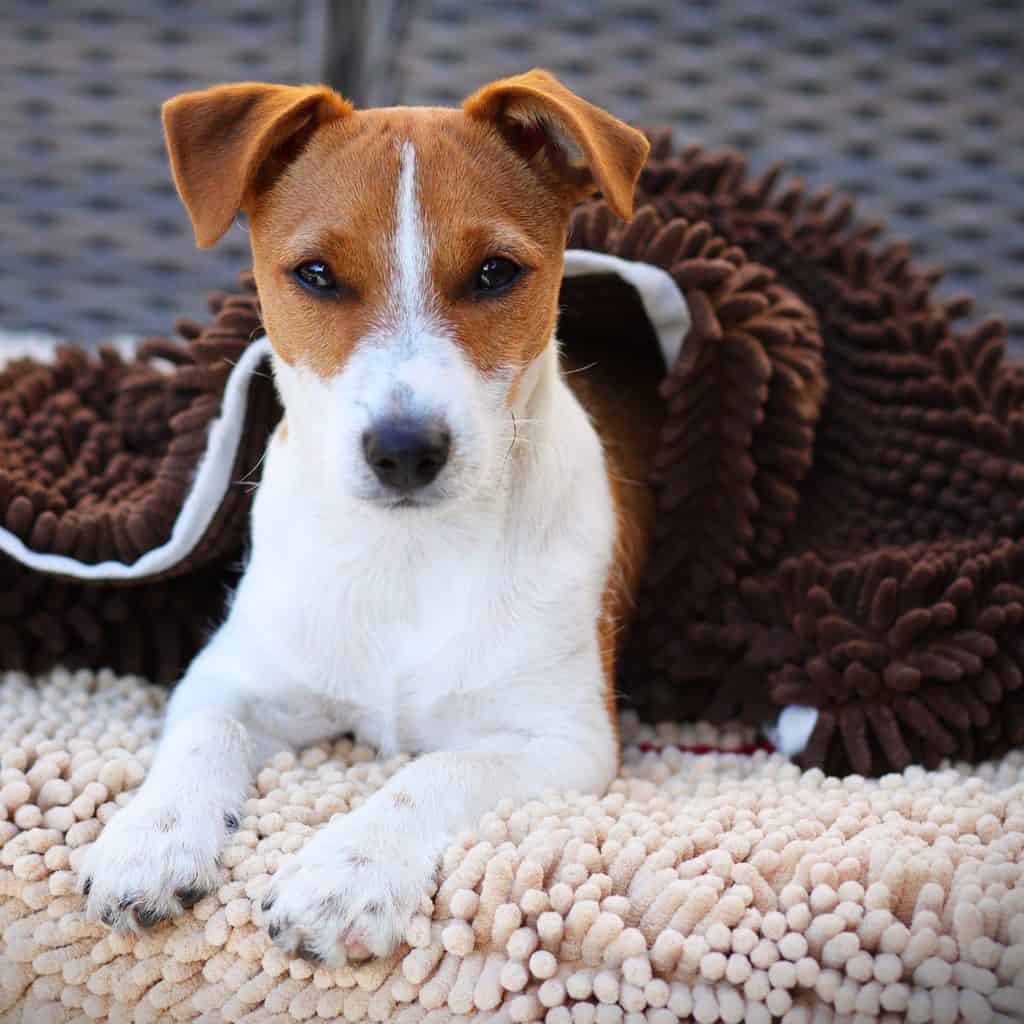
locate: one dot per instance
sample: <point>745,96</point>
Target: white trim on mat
<point>212,480</point>
<point>662,300</point>
<point>43,347</point>
<point>791,731</point>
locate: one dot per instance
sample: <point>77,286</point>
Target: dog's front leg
<point>159,854</point>
<point>358,882</point>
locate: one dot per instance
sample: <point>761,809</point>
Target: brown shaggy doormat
<point>717,886</point>
<point>839,479</point>
<point>723,886</point>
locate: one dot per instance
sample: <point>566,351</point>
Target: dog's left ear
<point>220,141</point>
<point>578,147</point>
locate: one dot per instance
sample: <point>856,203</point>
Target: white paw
<point>350,893</point>
<point>152,861</point>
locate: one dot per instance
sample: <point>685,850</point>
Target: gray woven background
<point>93,240</point>
<point>917,107</point>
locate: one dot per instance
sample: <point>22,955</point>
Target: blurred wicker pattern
<point>93,240</point>
<point>914,107</point>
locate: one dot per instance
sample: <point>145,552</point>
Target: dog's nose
<point>407,454</point>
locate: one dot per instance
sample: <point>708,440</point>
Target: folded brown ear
<point>218,139</point>
<point>581,147</point>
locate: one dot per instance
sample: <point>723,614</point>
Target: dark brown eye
<point>496,274</point>
<point>316,276</point>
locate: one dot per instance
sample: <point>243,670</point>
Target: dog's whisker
<point>525,442</point>
<point>255,373</point>
<point>246,480</point>
<point>579,369</point>
<point>512,443</point>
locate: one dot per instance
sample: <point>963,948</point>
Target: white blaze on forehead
<point>411,363</point>
<point>412,301</point>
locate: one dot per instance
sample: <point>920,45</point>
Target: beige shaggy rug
<point>706,886</point>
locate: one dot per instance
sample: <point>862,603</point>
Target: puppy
<point>443,550</point>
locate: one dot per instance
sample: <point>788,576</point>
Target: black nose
<point>406,454</point>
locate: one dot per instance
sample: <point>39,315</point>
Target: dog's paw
<point>151,862</point>
<point>349,894</point>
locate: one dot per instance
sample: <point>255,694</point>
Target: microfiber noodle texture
<point>839,479</point>
<point>717,886</point>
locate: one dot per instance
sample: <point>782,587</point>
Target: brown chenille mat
<point>840,481</point>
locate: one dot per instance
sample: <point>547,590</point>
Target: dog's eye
<point>316,276</point>
<point>495,275</point>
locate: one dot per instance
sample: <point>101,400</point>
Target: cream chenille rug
<point>706,885</point>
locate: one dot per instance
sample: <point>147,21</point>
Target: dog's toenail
<point>274,930</point>
<point>148,916</point>
<point>268,902</point>
<point>307,952</point>
<point>231,822</point>
<point>108,916</point>
<point>87,887</point>
<point>188,898</point>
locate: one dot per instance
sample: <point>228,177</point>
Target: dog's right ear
<point>219,140</point>
<point>577,147</point>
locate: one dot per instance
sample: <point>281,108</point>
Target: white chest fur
<point>414,627</point>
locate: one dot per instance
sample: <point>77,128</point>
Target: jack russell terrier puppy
<point>445,542</point>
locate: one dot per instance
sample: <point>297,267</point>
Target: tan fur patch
<point>337,203</point>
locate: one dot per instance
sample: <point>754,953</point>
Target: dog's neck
<point>536,394</point>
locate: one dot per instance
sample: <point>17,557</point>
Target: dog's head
<point>408,260</point>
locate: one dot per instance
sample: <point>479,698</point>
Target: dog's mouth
<point>393,501</point>
<point>405,502</point>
